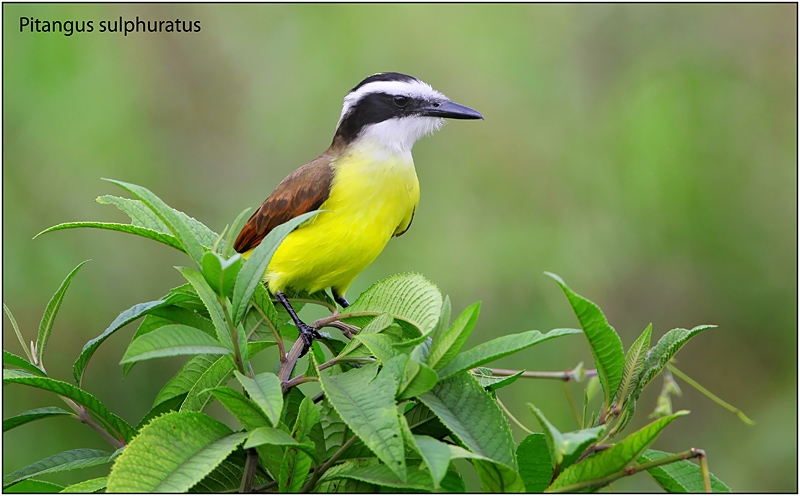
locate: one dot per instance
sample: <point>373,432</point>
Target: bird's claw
<point>309,334</point>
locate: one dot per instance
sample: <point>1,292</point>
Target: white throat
<point>398,135</point>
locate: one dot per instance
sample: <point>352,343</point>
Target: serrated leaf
<point>172,404</point>
<point>307,417</point>
<point>603,339</point>
<point>498,348</point>
<point>172,340</point>
<point>122,320</point>
<point>16,361</point>
<point>217,374</point>
<point>235,229</point>
<point>265,390</point>
<point>634,364</point>
<point>376,325</point>
<point>213,306</point>
<point>173,453</point>
<point>494,382</point>
<point>466,409</point>
<point>373,472</point>
<point>243,408</point>
<point>220,273</point>
<point>78,395</point>
<point>535,466</point>
<point>139,214</point>
<point>615,458</point>
<point>33,486</point>
<point>447,345</point>
<point>411,299</point>
<point>565,448</point>
<point>253,269</point>
<point>50,312</point>
<point>436,456</point>
<point>226,477</point>
<point>366,403</point>
<point>294,472</point>
<point>680,477</point>
<point>666,348</point>
<point>497,477</point>
<point>276,437</point>
<point>417,378</point>
<point>87,486</point>
<point>379,345</point>
<point>186,377</point>
<point>178,225</point>
<point>68,460</point>
<point>166,239</point>
<point>31,415</point>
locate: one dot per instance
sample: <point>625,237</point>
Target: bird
<point>364,184</point>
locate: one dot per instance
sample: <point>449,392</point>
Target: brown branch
<point>249,474</point>
<point>83,416</point>
<point>318,473</point>
<point>566,376</point>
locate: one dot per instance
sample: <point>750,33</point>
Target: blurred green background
<point>645,153</point>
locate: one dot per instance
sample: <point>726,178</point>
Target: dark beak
<point>450,110</point>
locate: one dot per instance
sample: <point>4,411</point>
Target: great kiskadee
<point>365,183</point>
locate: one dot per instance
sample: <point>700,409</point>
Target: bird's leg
<point>341,300</point>
<point>308,333</point>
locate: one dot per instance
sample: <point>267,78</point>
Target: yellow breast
<point>373,196</point>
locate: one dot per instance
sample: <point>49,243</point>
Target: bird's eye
<point>436,104</point>
<point>400,101</point>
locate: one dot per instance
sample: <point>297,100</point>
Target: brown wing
<point>302,191</point>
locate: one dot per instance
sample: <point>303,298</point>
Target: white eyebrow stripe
<point>413,89</point>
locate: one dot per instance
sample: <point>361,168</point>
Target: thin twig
<point>278,338</point>
<point>512,417</point>
<point>318,473</point>
<point>716,399</point>
<point>629,470</point>
<point>291,360</point>
<point>249,474</point>
<point>701,455</point>
<point>572,403</point>
<point>566,376</point>
<point>250,334</point>
<point>84,417</point>
<point>326,321</point>
<point>264,487</point>
<point>299,380</point>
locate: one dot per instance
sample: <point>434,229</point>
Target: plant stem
<point>291,360</point>
<point>85,418</point>
<point>566,376</point>
<point>237,353</point>
<point>264,487</point>
<point>572,403</point>
<point>318,473</point>
<point>299,380</point>
<point>278,338</point>
<point>630,470</point>
<point>512,417</point>
<point>249,474</point>
<point>325,321</point>
<point>716,399</point>
<point>704,470</point>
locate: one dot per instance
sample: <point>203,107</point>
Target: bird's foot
<point>309,334</point>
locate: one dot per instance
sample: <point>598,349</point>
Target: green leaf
<point>31,415</point>
<point>172,404</point>
<point>436,456</point>
<point>16,331</point>
<point>87,486</point>
<point>380,345</point>
<point>33,486</point>
<point>236,228</point>
<point>494,382</point>
<point>535,466</point>
<point>20,362</point>
<point>212,305</point>
<point>78,395</point>
<point>276,437</point>
<point>253,270</point>
<point>445,347</point>
<point>662,352</point>
<point>172,340</point>
<point>634,364</point>
<point>467,409</point>
<point>227,477</point>
<point>307,417</point>
<point>680,477</point>
<point>166,239</point>
<point>366,403</point>
<point>565,448</point>
<point>413,301</point>
<point>417,379</point>
<point>498,348</point>
<point>221,273</point>
<point>186,377</point>
<point>294,471</point>
<point>243,408</point>
<point>178,225</point>
<point>172,453</point>
<point>217,374</point>
<point>333,428</point>
<point>139,214</point>
<point>615,458</point>
<point>372,471</point>
<point>498,477</point>
<point>122,320</point>
<point>68,460</point>
<point>603,340</point>
<point>49,317</point>
<point>377,325</point>
<point>265,390</point>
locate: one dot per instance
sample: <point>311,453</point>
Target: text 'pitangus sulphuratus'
<point>365,183</point>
